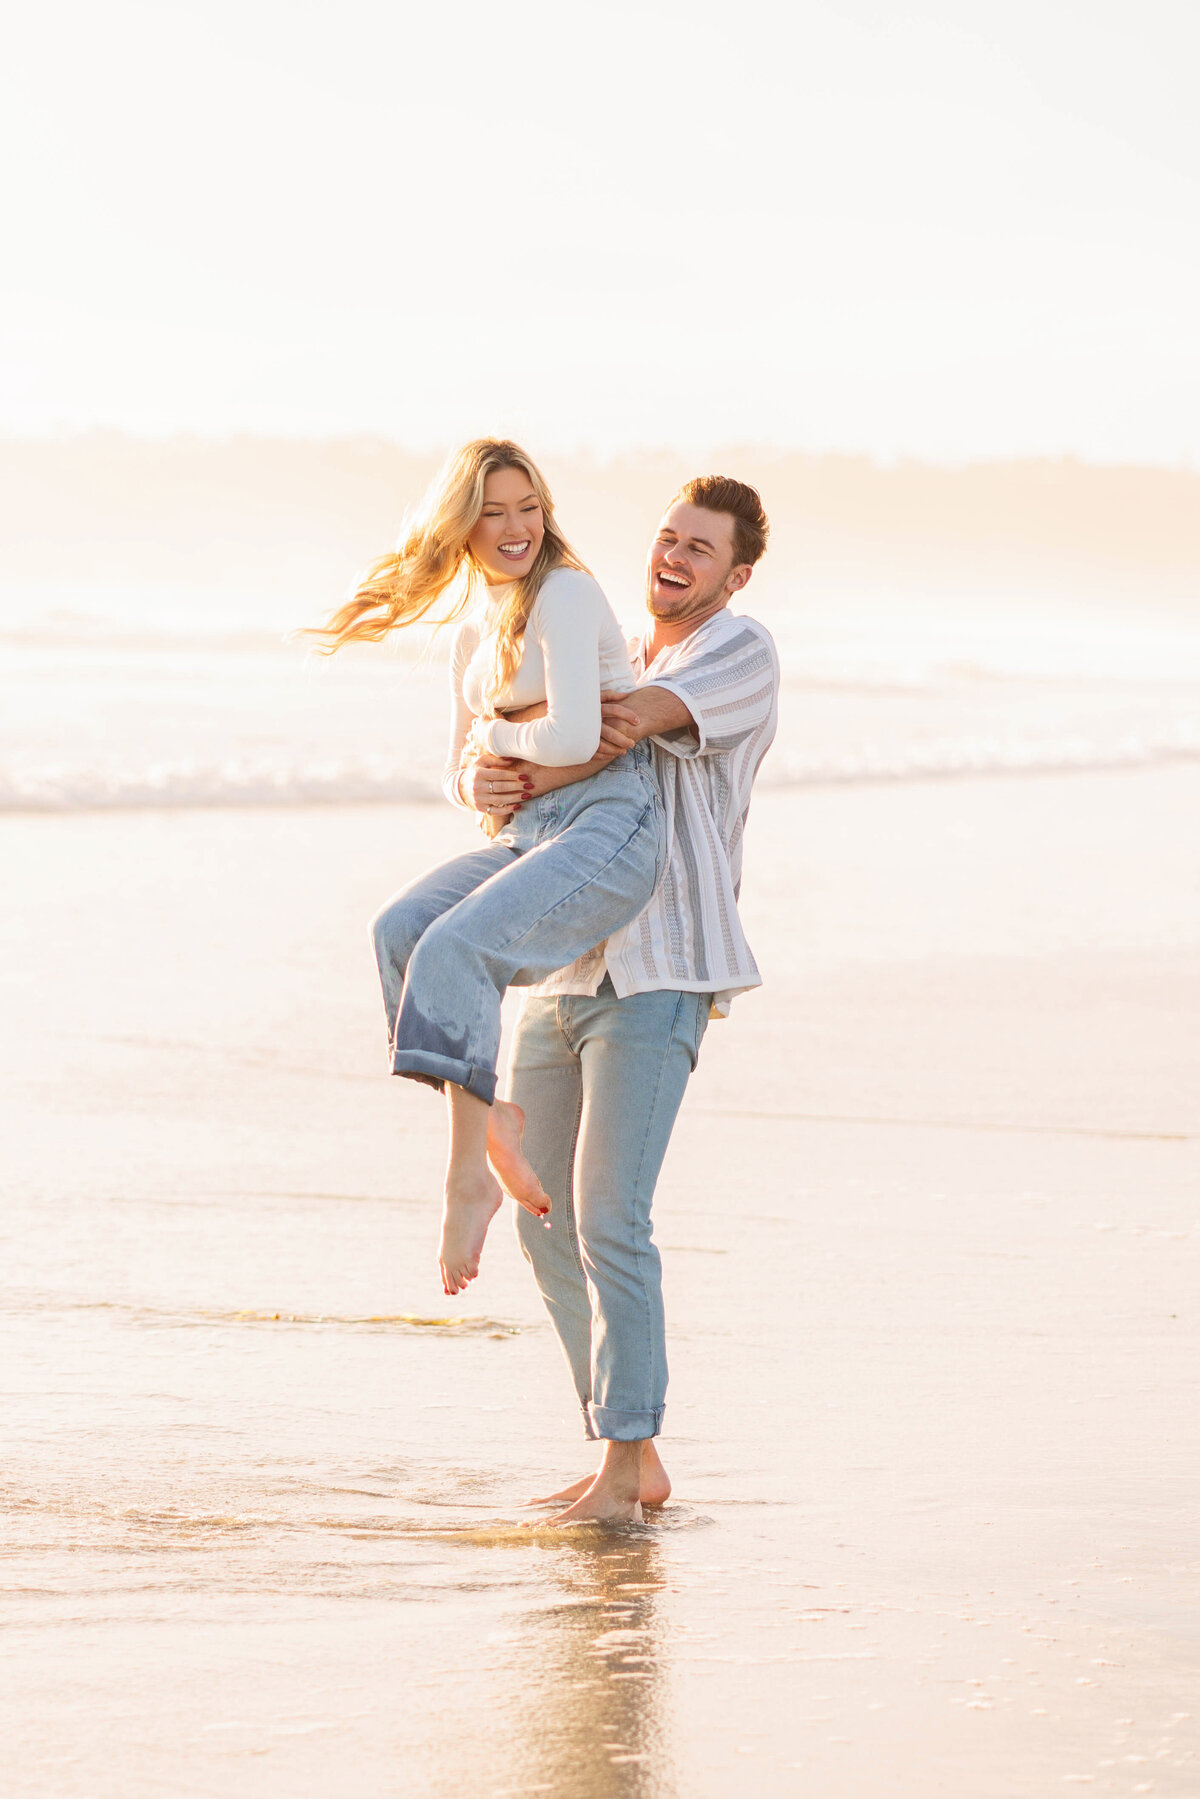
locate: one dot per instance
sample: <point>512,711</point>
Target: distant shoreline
<point>301,515</point>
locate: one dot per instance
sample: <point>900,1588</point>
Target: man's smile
<point>673,580</point>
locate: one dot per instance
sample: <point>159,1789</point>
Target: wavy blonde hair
<point>433,553</point>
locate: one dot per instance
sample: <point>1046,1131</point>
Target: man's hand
<point>625,718</point>
<point>618,726</point>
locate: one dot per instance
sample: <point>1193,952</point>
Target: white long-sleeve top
<point>571,651</point>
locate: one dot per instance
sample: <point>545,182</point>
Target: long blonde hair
<point>433,552</point>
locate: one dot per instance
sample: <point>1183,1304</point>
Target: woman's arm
<point>494,791</point>
<point>461,716</point>
<point>566,621</point>
<point>628,717</point>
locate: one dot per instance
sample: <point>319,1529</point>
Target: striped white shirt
<point>689,937</point>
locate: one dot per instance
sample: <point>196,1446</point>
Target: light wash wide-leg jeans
<point>568,870</point>
<point>600,1080</point>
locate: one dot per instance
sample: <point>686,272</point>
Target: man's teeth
<point>675,580</point>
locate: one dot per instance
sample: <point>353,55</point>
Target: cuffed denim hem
<point>625,1427</point>
<point>589,1429</point>
<point>421,1065</point>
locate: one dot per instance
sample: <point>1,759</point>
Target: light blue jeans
<point>600,1080</point>
<point>568,870</point>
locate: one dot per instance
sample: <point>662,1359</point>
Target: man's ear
<point>738,576</point>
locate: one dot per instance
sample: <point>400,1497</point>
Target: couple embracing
<point>612,783</point>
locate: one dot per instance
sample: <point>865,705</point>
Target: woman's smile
<point>510,529</point>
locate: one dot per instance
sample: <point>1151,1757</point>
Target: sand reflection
<point>596,1679</point>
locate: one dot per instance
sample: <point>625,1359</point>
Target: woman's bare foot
<point>506,1127</point>
<point>655,1482</point>
<point>469,1209</point>
<point>612,1498</point>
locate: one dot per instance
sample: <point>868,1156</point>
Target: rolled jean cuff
<point>624,1427</point>
<point>421,1065</point>
<point>589,1429</point>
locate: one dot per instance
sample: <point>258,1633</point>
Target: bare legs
<point>614,1495</point>
<point>506,1128</point>
<point>654,1487</point>
<point>480,1133</point>
<point>472,1193</point>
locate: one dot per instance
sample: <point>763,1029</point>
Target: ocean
<point>171,698</point>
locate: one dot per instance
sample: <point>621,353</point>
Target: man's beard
<point>695,600</point>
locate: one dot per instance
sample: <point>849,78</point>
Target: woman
<point>563,872</point>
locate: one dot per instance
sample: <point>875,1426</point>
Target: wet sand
<point>930,1227</point>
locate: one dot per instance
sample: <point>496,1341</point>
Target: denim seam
<point>572,1232</point>
<point>637,1183</point>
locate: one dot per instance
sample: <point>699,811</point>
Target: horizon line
<point>604,457</point>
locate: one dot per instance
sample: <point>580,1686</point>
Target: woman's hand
<point>492,785</point>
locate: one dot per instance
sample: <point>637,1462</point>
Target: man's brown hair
<point>721,493</point>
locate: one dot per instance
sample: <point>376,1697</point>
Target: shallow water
<point>930,1235</point>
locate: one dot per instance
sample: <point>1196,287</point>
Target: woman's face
<point>509,534</point>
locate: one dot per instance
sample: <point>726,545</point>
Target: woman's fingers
<point>496,790</point>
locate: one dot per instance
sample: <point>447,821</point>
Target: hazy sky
<point>944,228</point>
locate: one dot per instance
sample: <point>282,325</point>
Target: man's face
<point>690,569</point>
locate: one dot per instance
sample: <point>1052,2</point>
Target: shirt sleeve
<point>567,625</point>
<point>730,689</point>
<point>461,716</point>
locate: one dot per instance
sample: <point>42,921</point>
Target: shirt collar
<point>667,658</point>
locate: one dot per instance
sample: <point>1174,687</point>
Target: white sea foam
<point>351,780</point>
<point>94,717</point>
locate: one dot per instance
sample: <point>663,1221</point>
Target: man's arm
<point>625,720</point>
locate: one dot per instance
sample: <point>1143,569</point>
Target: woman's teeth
<point>515,551</point>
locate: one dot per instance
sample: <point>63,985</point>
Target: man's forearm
<point>546,780</point>
<point>647,712</point>
<point>657,711</point>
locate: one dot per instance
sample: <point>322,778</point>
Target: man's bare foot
<point>612,1498</point>
<point>469,1209</point>
<point>506,1127</point>
<point>655,1482</point>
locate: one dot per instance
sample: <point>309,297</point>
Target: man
<point>603,1050</point>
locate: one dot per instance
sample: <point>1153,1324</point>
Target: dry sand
<point>930,1227</point>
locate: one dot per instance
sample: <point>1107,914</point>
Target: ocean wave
<point>958,758</point>
<point>360,780</point>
